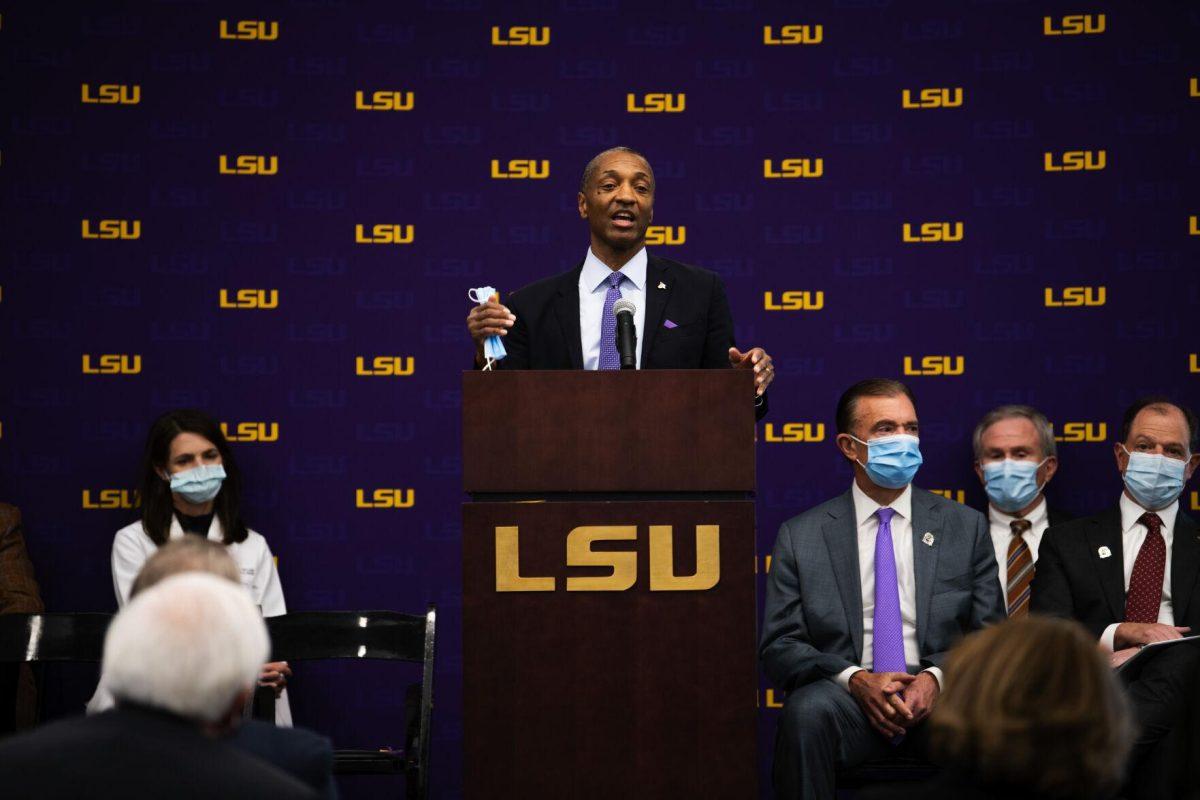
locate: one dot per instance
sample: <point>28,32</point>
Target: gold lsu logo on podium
<point>621,564</point>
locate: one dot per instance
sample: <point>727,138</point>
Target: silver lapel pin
<point>662,285</point>
<point>928,539</point>
<point>1104,552</point>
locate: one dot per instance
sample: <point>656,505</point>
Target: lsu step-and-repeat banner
<point>274,211</point>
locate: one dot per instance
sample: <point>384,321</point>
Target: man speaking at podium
<point>681,314</point>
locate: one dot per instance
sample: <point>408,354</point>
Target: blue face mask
<point>1154,480</point>
<point>892,461</point>
<point>1011,485</point>
<point>198,484</point>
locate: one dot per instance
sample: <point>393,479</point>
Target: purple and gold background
<point>1097,83</point>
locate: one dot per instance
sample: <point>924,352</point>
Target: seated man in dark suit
<point>181,659</point>
<point>1130,574</point>
<point>682,315</point>
<point>1015,457</point>
<point>864,591</point>
<point>301,753</point>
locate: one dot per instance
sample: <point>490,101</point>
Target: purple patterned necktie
<point>609,359</point>
<point>888,635</point>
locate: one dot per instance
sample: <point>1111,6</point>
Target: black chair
<point>390,635</point>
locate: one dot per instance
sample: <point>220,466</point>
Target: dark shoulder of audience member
<point>1030,711</point>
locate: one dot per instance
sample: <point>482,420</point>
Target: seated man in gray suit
<point>865,595</point>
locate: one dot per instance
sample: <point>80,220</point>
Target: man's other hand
<point>1133,634</point>
<point>488,319</point>
<point>757,360</point>
<point>921,695</point>
<point>878,693</point>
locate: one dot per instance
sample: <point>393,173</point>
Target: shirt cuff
<point>1108,638</point>
<point>843,678</point>
<point>936,672</point>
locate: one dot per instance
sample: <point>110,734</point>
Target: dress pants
<point>821,730</point>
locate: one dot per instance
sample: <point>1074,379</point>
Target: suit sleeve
<point>719,339</point>
<point>18,587</point>
<point>987,601</point>
<point>786,653</point>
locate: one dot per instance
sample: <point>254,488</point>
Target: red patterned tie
<point>1144,597</point>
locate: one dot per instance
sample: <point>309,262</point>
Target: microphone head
<point>623,306</point>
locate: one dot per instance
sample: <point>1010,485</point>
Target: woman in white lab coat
<point>191,485</point>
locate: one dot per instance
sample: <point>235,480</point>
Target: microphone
<point>626,333</point>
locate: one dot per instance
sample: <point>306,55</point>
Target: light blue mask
<point>892,461</point>
<point>198,484</point>
<point>1154,480</point>
<point>1011,484</point>
<point>493,348</point>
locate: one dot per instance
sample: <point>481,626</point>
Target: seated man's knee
<point>812,709</point>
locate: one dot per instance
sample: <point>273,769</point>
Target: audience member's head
<point>1031,704</point>
<point>192,645</point>
<point>1156,451</point>
<point>189,554</point>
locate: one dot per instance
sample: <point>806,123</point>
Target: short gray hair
<point>592,165</point>
<point>188,645</point>
<point>1045,432</point>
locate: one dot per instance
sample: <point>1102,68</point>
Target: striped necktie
<point>1020,569</point>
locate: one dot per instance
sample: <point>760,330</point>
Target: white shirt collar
<point>595,272</point>
<point>1131,512</point>
<point>865,507</point>
<point>1036,517</point>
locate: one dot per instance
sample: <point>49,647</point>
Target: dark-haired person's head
<point>877,431</point>
<point>1156,453</point>
<point>188,466</point>
<point>1031,708</point>
<point>616,197</point>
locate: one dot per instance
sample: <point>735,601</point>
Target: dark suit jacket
<point>546,333</point>
<point>300,753</point>
<point>135,752</point>
<point>812,623</point>
<point>1073,581</point>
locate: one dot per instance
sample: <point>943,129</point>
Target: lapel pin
<point>662,285</point>
<point>928,539</point>
<point>1104,552</point>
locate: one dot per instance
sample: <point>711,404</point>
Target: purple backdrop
<point>1072,289</point>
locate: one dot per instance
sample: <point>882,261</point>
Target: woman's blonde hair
<point>1032,703</point>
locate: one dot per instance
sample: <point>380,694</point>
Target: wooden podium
<point>609,631</point>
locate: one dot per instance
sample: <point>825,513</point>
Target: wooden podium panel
<point>599,691</point>
<point>545,432</point>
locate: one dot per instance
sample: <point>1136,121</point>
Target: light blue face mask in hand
<point>892,461</point>
<point>198,484</point>
<point>1154,480</point>
<point>493,348</point>
<point>1011,484</point>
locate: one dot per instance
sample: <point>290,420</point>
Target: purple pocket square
<point>668,324</point>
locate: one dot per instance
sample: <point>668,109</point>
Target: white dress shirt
<point>902,545</point>
<point>1133,534</point>
<point>593,286</point>
<point>1000,525</point>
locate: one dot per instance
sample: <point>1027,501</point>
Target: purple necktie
<point>609,359</point>
<point>888,635</point>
